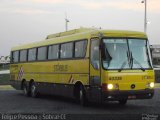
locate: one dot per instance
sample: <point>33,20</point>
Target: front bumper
<point>131,94</point>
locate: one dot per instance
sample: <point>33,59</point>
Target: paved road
<point>12,101</point>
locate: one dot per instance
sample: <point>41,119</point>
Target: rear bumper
<point>16,84</point>
<point>120,95</point>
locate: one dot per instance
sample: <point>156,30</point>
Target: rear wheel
<point>25,89</point>
<point>123,102</point>
<point>34,92</point>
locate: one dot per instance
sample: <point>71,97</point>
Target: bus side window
<point>32,54</point>
<point>53,52</point>
<point>42,53</point>
<point>80,48</point>
<point>16,56</point>
<point>23,55</point>
<point>95,53</point>
<point>11,57</point>
<point>66,50</point>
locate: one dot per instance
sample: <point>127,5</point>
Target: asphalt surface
<point>13,101</point>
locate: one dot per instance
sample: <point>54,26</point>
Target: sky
<point>26,21</point>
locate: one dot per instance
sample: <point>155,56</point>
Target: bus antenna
<point>66,22</point>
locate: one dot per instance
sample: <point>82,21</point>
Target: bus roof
<point>78,34</point>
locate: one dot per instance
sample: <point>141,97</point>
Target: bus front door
<point>95,77</point>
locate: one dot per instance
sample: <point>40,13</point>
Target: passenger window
<point>95,53</point>
<point>32,54</point>
<point>80,48</point>
<point>16,56</point>
<point>66,50</point>
<point>11,57</point>
<point>42,53</point>
<point>53,52</point>
<point>23,55</point>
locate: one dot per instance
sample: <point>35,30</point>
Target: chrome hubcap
<point>25,90</point>
<point>80,95</point>
<point>33,88</point>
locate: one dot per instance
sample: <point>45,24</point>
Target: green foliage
<point>4,67</point>
<point>4,79</point>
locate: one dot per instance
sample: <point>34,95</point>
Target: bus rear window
<point>16,56</point>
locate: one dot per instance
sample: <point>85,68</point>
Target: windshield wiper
<point>122,66</point>
<point>133,59</point>
<point>108,57</point>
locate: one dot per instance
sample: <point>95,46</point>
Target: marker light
<point>110,86</point>
<point>151,84</point>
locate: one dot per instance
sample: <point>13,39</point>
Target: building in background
<point>4,62</point>
<point>4,59</point>
<point>155,51</point>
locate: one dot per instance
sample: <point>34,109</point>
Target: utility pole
<point>145,14</point>
<point>66,22</point>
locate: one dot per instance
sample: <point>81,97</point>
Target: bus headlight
<point>151,84</point>
<point>110,86</point>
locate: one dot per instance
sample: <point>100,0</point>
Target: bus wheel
<point>82,96</point>
<point>123,102</point>
<point>25,89</point>
<point>34,92</point>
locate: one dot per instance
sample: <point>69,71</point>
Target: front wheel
<point>82,97</point>
<point>34,92</point>
<point>123,102</point>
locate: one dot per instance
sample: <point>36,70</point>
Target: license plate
<point>132,97</point>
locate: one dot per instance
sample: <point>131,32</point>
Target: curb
<point>6,87</point>
<point>157,85</point>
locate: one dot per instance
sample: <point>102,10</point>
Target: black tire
<point>123,102</point>
<point>82,97</point>
<point>33,90</point>
<point>25,89</point>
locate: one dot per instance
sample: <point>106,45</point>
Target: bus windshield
<point>126,54</point>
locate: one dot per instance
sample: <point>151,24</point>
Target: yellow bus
<point>90,65</point>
